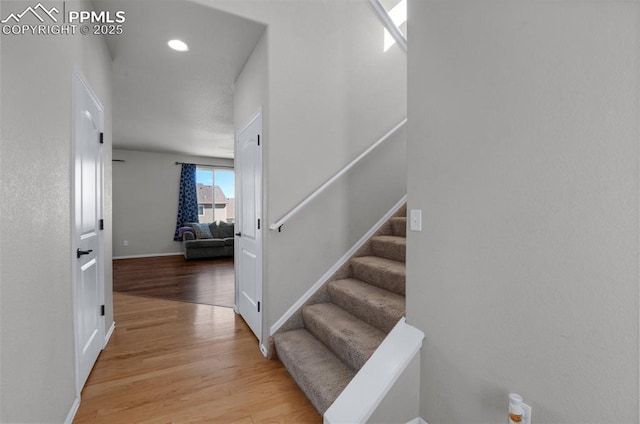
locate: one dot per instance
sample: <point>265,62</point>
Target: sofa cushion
<point>215,233</point>
<point>225,229</point>
<point>204,243</point>
<point>202,230</point>
<point>228,241</point>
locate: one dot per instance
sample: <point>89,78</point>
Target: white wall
<point>145,200</point>
<point>332,92</point>
<point>523,156</point>
<point>36,309</point>
<point>401,403</point>
<point>251,88</point>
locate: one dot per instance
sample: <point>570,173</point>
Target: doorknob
<point>83,252</point>
<point>239,234</point>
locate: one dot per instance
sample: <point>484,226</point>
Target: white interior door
<point>249,225</point>
<point>87,243</point>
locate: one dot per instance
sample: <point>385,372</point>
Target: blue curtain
<point>187,199</point>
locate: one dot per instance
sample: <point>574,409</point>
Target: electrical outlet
<point>527,413</point>
<point>126,242</point>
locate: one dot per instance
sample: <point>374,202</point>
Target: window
<point>398,14</point>
<point>216,194</point>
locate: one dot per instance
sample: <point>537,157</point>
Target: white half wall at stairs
<point>343,260</point>
<point>387,387</point>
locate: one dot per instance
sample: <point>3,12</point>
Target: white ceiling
<point>167,101</point>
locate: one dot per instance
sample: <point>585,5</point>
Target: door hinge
<point>102,224</point>
<point>101,310</point>
<point>258,306</point>
<point>258,139</point>
<point>101,138</point>
<point>258,223</point>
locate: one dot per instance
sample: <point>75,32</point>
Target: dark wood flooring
<point>206,281</point>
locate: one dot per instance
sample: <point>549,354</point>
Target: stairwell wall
<point>332,92</point>
<point>523,156</point>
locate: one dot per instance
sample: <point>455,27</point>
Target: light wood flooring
<point>207,281</point>
<point>177,362</point>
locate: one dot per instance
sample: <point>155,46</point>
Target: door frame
<point>77,80</point>
<point>260,212</point>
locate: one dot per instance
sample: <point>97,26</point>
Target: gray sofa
<point>217,242</point>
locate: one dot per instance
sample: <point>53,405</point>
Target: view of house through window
<point>216,194</point>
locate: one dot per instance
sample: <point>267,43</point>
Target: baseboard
<point>73,411</point>
<point>343,260</point>
<point>109,333</point>
<point>150,255</point>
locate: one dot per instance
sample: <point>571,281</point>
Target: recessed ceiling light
<point>178,45</point>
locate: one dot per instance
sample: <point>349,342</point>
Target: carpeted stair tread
<point>350,338</point>
<point>399,226</point>
<point>390,247</point>
<point>316,370</point>
<point>341,335</point>
<point>385,273</point>
<point>377,307</point>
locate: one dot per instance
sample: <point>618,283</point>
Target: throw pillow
<point>183,230</point>
<point>213,227</point>
<point>225,229</point>
<point>202,230</point>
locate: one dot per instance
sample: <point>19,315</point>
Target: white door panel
<point>248,273</point>
<point>248,188</point>
<point>87,243</point>
<point>249,239</point>
<point>88,293</point>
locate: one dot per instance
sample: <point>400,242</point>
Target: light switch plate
<point>415,220</point>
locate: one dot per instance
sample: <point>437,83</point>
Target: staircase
<point>340,328</point>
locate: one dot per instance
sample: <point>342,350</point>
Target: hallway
<point>177,362</point>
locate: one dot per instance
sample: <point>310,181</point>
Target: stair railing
<point>393,29</point>
<point>278,224</point>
